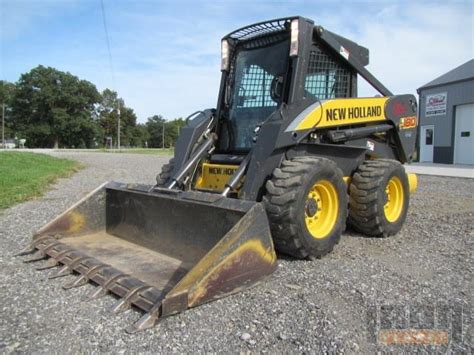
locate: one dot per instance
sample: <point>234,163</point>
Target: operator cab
<point>261,71</point>
<point>265,66</point>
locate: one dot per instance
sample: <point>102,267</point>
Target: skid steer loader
<point>285,159</point>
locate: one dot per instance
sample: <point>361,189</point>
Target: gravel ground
<point>319,306</point>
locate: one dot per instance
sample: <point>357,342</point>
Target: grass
<point>24,176</point>
<point>148,151</point>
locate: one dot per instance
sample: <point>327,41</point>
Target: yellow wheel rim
<point>321,209</point>
<point>395,196</point>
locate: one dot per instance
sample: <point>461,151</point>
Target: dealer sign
<point>436,104</point>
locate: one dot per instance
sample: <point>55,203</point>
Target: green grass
<point>25,176</point>
<point>150,151</point>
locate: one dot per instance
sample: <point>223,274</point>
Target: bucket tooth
<point>68,269</point>
<point>121,306</point>
<point>84,279</point>
<point>80,281</point>
<point>40,240</point>
<point>49,246</point>
<point>39,255</point>
<point>48,265</point>
<point>147,321</point>
<point>97,293</point>
<point>60,255</point>
<point>64,271</point>
<point>126,302</point>
<point>102,291</point>
<point>28,250</point>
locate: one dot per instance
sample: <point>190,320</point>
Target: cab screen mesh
<point>326,78</point>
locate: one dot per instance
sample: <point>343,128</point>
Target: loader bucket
<point>161,251</point>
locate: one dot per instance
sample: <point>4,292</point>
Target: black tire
<point>163,177</point>
<point>368,198</point>
<point>287,201</point>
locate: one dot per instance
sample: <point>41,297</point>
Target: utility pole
<point>118,125</point>
<point>163,135</point>
<point>3,125</point>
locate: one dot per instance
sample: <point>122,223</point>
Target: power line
<point>104,20</point>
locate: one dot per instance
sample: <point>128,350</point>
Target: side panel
<point>347,158</point>
<point>340,112</point>
<point>402,111</point>
<point>188,137</point>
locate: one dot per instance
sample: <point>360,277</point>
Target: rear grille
<point>326,78</point>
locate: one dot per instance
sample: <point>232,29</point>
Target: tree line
<point>55,109</point>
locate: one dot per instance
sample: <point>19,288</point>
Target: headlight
<point>294,38</point>
<point>225,55</point>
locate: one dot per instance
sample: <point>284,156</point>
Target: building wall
<point>458,94</point>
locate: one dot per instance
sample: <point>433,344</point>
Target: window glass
<point>429,136</point>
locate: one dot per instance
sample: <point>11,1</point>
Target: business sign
<point>436,104</point>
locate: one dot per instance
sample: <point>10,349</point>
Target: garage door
<point>464,135</point>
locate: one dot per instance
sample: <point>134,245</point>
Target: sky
<point>166,54</point>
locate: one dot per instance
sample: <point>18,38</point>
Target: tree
<point>172,130</point>
<point>139,136</point>
<point>108,110</point>
<point>154,126</point>
<point>51,107</point>
<point>7,92</point>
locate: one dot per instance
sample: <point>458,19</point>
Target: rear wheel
<point>164,176</point>
<point>306,203</point>
<point>379,198</point>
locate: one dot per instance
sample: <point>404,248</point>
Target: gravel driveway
<point>321,306</point>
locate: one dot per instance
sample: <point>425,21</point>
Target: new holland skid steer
<point>288,156</point>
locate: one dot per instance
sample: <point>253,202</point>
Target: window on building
<point>429,136</point>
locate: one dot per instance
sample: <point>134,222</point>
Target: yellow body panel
<point>215,176</point>
<point>339,112</point>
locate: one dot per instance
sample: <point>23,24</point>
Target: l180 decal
<point>407,122</point>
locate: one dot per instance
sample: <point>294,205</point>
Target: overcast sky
<point>166,54</point>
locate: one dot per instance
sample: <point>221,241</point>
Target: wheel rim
<point>394,206</point>
<point>321,209</point>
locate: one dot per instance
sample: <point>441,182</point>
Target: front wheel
<point>306,203</point>
<point>165,175</point>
